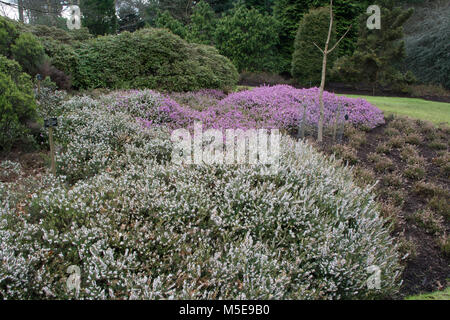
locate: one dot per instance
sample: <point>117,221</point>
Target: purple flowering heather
<point>278,106</point>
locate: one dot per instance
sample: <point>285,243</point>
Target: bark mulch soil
<point>379,154</point>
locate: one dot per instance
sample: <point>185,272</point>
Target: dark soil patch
<point>31,163</point>
<point>428,269</point>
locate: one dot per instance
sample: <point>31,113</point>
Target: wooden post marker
<point>50,124</point>
<point>39,79</point>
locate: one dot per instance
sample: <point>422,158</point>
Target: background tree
<point>166,21</point>
<point>47,12</point>
<point>326,51</point>
<point>290,12</point>
<point>307,59</point>
<point>179,9</point>
<point>249,38</point>
<point>264,6</point>
<point>129,18</point>
<point>379,53</point>
<point>221,6</point>
<point>427,42</point>
<point>99,16</point>
<point>203,24</point>
<point>20,9</point>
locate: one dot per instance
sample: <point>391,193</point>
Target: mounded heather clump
<point>141,227</point>
<point>279,107</point>
<point>282,104</point>
<point>92,137</point>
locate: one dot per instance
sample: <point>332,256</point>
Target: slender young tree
<point>325,53</point>
<point>20,6</point>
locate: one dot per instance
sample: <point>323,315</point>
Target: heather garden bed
<point>140,227</point>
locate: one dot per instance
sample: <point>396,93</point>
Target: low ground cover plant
<point>282,107</point>
<point>141,227</point>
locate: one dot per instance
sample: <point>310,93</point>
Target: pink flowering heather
<point>279,107</point>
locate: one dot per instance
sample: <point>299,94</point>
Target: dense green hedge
<point>8,34</point>
<point>249,38</point>
<point>17,104</point>
<point>151,58</point>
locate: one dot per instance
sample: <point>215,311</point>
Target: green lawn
<point>438,295</point>
<point>436,112</point>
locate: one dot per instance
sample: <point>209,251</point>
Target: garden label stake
<point>341,129</point>
<point>338,115</point>
<point>39,78</point>
<point>50,124</point>
<point>301,123</point>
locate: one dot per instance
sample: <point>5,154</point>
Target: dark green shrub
<point>165,20</point>
<point>429,221</point>
<point>307,59</point>
<point>28,51</point>
<point>383,148</point>
<point>249,38</point>
<point>440,205</point>
<point>8,34</point>
<point>437,145</point>
<point>444,243</point>
<point>150,58</point>
<point>347,153</point>
<point>62,56</point>
<point>203,24</point>
<point>58,77</point>
<point>17,104</point>
<point>392,180</point>
<point>396,142</point>
<point>378,52</point>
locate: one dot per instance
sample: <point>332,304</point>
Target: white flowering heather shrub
<point>142,104</point>
<point>9,169</point>
<point>140,227</point>
<point>50,102</point>
<point>91,136</point>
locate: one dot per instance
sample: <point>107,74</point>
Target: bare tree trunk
<point>324,71</point>
<point>325,53</point>
<point>20,6</point>
<point>322,87</point>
